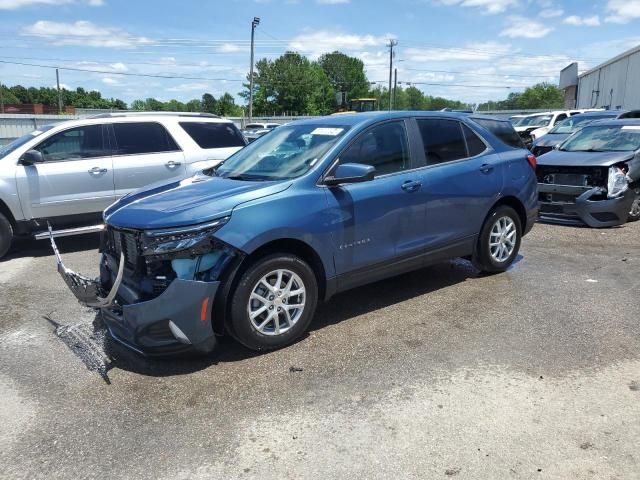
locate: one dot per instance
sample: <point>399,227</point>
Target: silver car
<point>67,174</point>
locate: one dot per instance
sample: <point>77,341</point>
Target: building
<point>615,84</point>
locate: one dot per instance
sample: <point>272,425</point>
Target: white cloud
<point>475,52</point>
<point>83,33</point>
<point>110,81</point>
<point>551,12</point>
<point>231,48</point>
<point>523,27</point>
<point>489,6</point>
<point>16,4</point>
<point>578,21</point>
<point>622,11</point>
<point>318,42</point>
<point>189,87</point>
<point>332,2</point>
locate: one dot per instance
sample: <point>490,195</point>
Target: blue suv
<point>311,209</point>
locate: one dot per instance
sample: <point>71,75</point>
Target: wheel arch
<point>4,210</point>
<point>517,205</point>
<point>221,308</point>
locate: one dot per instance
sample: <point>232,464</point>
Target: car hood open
<point>587,159</point>
<point>187,202</point>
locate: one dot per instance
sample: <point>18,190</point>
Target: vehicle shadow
<point>42,248</point>
<point>342,307</point>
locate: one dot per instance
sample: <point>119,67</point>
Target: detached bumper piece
<point>577,205</point>
<point>178,320</point>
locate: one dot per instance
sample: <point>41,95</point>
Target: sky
<point>470,50</point>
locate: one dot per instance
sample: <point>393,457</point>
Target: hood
<point>526,129</point>
<point>550,139</point>
<point>188,202</point>
<point>584,159</point>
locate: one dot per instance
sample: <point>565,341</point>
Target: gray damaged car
<point>593,177</point>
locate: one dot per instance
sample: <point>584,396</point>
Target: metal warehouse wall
<point>614,85</point>
<point>15,125</point>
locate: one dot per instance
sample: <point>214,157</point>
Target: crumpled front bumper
<point>176,321</point>
<point>179,320</point>
<point>594,213</point>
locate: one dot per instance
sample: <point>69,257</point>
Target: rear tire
<point>6,235</point>
<point>274,302</point>
<point>499,241</point>
<point>634,214</point>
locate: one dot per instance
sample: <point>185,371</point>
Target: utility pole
<point>254,23</point>
<point>1,99</point>
<point>59,93</point>
<point>392,43</point>
<point>395,88</point>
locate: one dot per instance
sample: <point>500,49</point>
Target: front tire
<point>499,241</point>
<point>274,302</point>
<point>6,235</point>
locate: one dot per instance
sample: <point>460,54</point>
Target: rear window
<point>214,135</point>
<point>503,130</point>
<point>136,138</point>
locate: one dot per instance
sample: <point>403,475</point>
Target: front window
<point>534,121</point>
<point>287,152</point>
<point>73,144</point>
<point>18,142</point>
<point>384,147</point>
<point>605,138</point>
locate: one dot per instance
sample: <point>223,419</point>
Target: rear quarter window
<point>214,135</point>
<point>503,130</point>
<point>138,138</point>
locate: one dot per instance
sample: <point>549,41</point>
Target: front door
<point>75,178</point>
<point>377,222</point>
<point>144,153</point>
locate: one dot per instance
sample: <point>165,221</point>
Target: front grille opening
<point>159,332</point>
<point>605,216</point>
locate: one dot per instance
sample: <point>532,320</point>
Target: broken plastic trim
<point>85,289</point>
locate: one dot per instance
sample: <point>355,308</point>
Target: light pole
<point>392,43</point>
<point>254,23</point>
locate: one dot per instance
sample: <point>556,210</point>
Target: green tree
<point>291,84</point>
<point>345,74</point>
<point>209,103</point>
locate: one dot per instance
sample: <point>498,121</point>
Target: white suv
<point>67,174</point>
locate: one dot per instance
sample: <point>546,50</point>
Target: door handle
<point>486,168</point>
<point>97,170</point>
<point>172,164</point>
<point>411,186</point>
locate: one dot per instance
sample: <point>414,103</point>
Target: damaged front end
<point>598,196</point>
<point>157,288</point>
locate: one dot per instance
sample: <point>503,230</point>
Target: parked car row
<point>532,127</point>
<point>253,131</point>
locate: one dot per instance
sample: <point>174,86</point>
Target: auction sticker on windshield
<point>631,127</point>
<point>332,132</point>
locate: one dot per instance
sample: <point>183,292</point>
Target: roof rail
<point>142,114</point>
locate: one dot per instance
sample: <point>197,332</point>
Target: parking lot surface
<point>441,373</point>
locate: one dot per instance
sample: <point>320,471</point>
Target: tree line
<point>295,85</point>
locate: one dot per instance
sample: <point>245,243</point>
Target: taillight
<point>533,161</point>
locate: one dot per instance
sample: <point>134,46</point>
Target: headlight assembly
<point>617,183</point>
<point>170,240</point>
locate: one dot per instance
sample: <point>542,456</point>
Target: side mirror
<point>350,173</point>
<point>31,157</point>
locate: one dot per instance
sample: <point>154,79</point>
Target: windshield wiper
<point>248,177</point>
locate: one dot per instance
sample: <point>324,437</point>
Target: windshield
<point>571,124</point>
<point>287,152</point>
<point>534,121</point>
<point>18,142</point>
<point>609,138</point>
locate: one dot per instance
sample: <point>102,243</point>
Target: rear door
<point>462,180</point>
<point>144,153</point>
<point>75,178</point>
<point>377,223</point>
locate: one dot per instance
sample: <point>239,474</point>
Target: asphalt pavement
<point>440,373</point>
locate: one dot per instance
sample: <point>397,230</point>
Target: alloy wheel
<point>502,239</point>
<point>276,302</point>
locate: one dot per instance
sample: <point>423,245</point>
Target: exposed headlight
<point>161,242</point>
<point>617,183</point>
